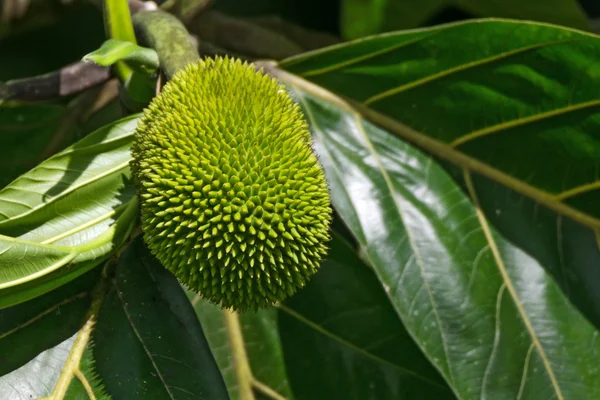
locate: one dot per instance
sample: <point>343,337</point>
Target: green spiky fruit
<point>233,200</point>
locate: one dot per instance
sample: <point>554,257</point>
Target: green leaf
<point>562,12</point>
<point>484,312</point>
<point>20,41</point>
<point>72,210</point>
<point>37,122</point>
<point>366,17</point>
<point>38,377</point>
<point>342,338</point>
<point>67,369</point>
<point>31,327</point>
<point>247,349</point>
<point>49,127</point>
<point>514,103</point>
<point>113,51</point>
<point>148,342</point>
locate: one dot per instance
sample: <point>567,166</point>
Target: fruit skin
<point>233,199</point>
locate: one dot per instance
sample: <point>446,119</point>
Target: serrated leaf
<point>342,338</point>
<point>113,51</point>
<point>148,342</point>
<point>484,312</point>
<point>515,103</point>
<point>67,214</point>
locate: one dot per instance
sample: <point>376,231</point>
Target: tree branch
<point>66,81</point>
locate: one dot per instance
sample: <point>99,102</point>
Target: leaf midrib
<point>464,67</point>
<point>442,149</point>
<point>437,148</point>
<point>293,60</point>
<point>141,341</point>
<point>64,193</point>
<point>509,284</point>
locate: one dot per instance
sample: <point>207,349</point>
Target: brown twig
<point>242,36</point>
<point>68,80</point>
<point>266,37</point>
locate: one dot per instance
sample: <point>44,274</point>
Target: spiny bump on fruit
<point>233,199</point>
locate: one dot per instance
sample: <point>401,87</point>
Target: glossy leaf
<point>483,311</point>
<point>516,104</point>
<point>251,340</point>
<point>113,51</point>
<point>367,17</point>
<point>71,210</point>
<point>343,338</point>
<point>148,341</point>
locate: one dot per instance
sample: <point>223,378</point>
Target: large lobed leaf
<point>514,103</point>
<point>484,312</point>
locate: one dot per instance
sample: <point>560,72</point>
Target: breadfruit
<point>233,199</point>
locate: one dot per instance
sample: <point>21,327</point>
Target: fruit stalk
<point>168,37</point>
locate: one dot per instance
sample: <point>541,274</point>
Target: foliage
<point>463,164</point>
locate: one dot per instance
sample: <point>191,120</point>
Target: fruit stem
<point>168,37</point>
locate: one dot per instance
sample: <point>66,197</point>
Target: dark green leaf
<point>312,14</point>
<point>516,104</point>
<point>260,355</point>
<point>562,12</point>
<point>49,128</point>
<point>367,17</point>
<point>67,369</point>
<point>57,35</point>
<point>29,328</point>
<point>37,122</point>
<point>483,311</point>
<point>148,341</point>
<point>343,339</point>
